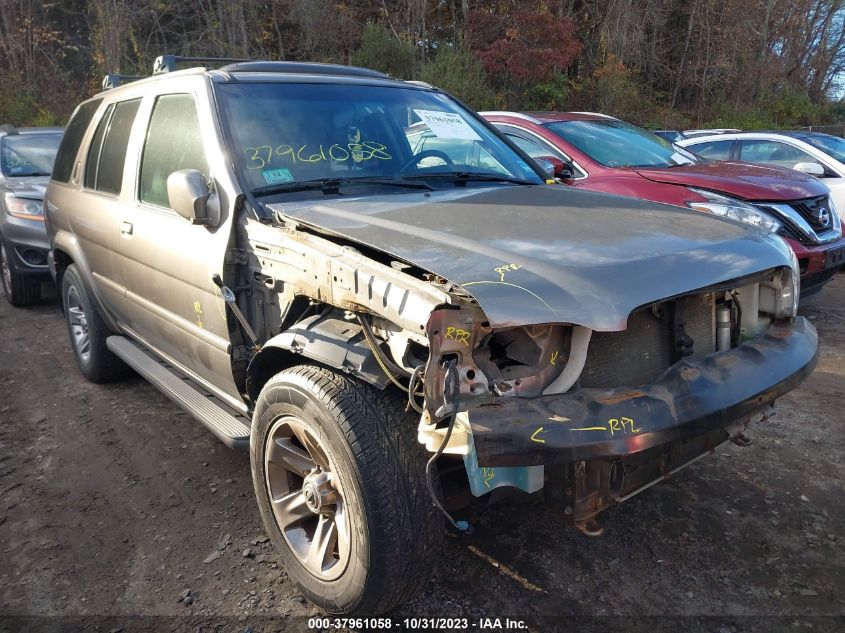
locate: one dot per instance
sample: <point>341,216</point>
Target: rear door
<point>85,190</point>
<point>97,220</point>
<point>167,262</point>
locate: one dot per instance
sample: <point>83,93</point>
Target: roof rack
<point>304,68</point>
<point>8,128</point>
<point>167,63</point>
<point>113,81</point>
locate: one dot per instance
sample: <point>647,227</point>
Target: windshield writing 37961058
<point>260,156</point>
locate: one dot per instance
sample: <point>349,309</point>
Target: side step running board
<point>230,427</point>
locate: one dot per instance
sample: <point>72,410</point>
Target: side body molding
<point>327,339</point>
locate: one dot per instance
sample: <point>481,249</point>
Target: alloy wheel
<point>78,324</point>
<point>7,271</point>
<point>307,498</point>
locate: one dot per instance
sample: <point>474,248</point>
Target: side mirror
<point>188,194</point>
<point>814,169</point>
<point>557,168</point>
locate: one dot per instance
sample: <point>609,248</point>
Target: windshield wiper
<point>468,176</point>
<point>332,185</point>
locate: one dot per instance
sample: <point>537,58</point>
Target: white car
<point>717,130</point>
<point>820,155</point>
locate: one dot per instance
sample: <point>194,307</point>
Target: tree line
<point>659,63</point>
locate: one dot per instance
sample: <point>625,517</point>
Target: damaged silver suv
<point>374,291</point>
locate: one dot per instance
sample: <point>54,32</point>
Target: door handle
<point>126,228</point>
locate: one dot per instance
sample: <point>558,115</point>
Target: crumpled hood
<point>28,187</point>
<point>742,180</point>
<point>541,254</point>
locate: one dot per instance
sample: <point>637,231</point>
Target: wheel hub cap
<point>318,492</point>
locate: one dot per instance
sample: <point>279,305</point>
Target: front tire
<point>20,290</point>
<point>340,482</point>
<point>88,332</point>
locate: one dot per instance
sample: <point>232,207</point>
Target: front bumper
<point>816,258</point>
<point>690,399</point>
<point>27,245</point>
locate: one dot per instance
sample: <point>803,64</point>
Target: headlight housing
<point>779,298</point>
<point>25,208</point>
<point>735,210</point>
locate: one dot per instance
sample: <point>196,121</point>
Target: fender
<point>327,339</point>
<point>66,242</point>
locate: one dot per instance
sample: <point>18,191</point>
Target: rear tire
<point>88,332</point>
<point>20,290</point>
<point>371,483</point>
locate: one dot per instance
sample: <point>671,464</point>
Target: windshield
<point>614,143</point>
<point>28,154</point>
<point>287,133</point>
<point>830,145</point>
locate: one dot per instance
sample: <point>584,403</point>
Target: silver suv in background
<point>26,160</point>
<point>379,320</point>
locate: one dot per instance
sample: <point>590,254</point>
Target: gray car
<point>26,159</point>
<point>394,328</point>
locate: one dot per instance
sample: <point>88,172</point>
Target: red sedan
<point>602,153</point>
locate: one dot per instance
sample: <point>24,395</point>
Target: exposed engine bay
<point>387,321</point>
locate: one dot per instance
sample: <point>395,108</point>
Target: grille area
<point>809,210</point>
<point>645,350</point>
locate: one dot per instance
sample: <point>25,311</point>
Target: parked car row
<point>383,297</point>
<point>26,159</point>
<point>601,153</point>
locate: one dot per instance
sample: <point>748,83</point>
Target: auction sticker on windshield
<point>447,125</point>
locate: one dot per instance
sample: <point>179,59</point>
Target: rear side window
<point>173,143</point>
<point>63,167</point>
<point>107,155</point>
<point>714,150</point>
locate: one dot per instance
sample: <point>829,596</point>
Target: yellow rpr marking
<point>488,474</point>
<point>458,335</point>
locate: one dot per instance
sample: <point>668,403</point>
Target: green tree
<point>456,70</point>
<point>381,50</point>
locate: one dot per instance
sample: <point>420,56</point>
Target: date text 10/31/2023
<point>418,624</point>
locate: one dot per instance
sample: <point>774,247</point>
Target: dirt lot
<point>114,503</point>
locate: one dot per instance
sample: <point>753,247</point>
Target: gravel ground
<point>115,503</point>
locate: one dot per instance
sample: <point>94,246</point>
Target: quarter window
<point>173,143</point>
<point>107,154</point>
<point>92,163</point>
<point>66,156</point>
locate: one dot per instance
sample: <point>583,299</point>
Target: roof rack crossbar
<point>167,63</point>
<point>113,81</point>
<point>305,68</point>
